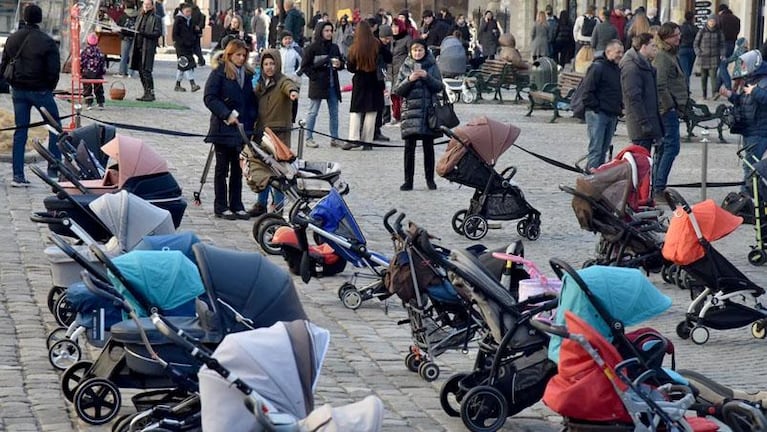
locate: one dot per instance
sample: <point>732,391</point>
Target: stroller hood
<point>488,137</point>
<point>280,363</point>
<point>580,389</point>
<point>166,279</point>
<point>248,282</point>
<point>130,218</point>
<point>682,245</point>
<point>134,158</point>
<point>609,186</point>
<point>181,242</point>
<point>452,57</point>
<point>625,293</point>
<point>332,214</point>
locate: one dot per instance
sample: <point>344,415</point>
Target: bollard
<point>301,132</point>
<point>703,164</point>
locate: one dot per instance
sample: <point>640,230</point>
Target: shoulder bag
<point>442,114</point>
<point>10,69</point>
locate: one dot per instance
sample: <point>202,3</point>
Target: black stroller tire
<point>63,311</point>
<point>55,336</point>
<point>451,388</point>
<point>412,362</point>
<point>458,219</point>
<point>97,401</point>
<point>522,228</point>
<point>64,354</point>
<point>533,231</point>
<point>258,221</point>
<point>475,227</point>
<point>484,409</point>
<point>73,376</point>
<point>683,330</point>
<point>53,296</point>
<point>266,232</point>
<point>757,257</point>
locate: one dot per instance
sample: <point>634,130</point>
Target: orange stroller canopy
<point>134,158</point>
<point>682,245</point>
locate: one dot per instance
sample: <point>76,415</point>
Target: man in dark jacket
<point>434,30</point>
<point>730,26</point>
<point>673,96</point>
<point>603,33</point>
<point>640,92</point>
<point>602,100</point>
<point>148,31</point>
<point>295,22</point>
<point>35,76</point>
<point>321,62</point>
<point>198,24</point>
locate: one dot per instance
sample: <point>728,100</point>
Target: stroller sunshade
<point>625,293</point>
<point>130,218</point>
<point>682,245</point>
<point>182,242</point>
<point>134,158</point>
<point>333,215</point>
<point>489,138</point>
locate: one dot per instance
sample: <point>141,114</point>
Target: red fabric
<point>396,107</point>
<point>701,424</point>
<point>619,22</point>
<point>682,246</point>
<point>580,389</point>
<point>287,236</point>
<point>642,194</point>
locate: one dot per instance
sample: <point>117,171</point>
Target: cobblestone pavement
<point>367,350</point>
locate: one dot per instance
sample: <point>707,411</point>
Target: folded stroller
<point>334,226</point>
<point>470,160</point>
<point>272,163</point>
<point>264,379</point>
<point>613,202</point>
<point>718,305</point>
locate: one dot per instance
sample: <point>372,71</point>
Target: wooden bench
<point>495,75</point>
<point>554,96</point>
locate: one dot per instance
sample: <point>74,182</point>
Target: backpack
<point>576,99</point>
<point>588,25</point>
<point>741,205</point>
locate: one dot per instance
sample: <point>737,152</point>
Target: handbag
<point>10,69</point>
<point>442,114</point>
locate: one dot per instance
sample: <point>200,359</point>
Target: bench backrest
<point>569,81</point>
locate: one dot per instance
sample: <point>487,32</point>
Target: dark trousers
<point>198,52</point>
<point>147,81</point>
<point>428,158</point>
<point>227,164</point>
<point>89,90</point>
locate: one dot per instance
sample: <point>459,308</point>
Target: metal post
<point>301,132</point>
<point>704,164</point>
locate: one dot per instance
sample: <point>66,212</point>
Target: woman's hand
<point>724,92</point>
<point>293,95</point>
<point>416,75</point>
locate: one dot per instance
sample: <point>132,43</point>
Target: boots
<point>148,90</point>
<point>195,87</point>
<point>178,87</point>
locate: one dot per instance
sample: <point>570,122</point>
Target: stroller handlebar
<point>674,199</point>
<point>386,218</point>
<point>398,225</point>
<point>550,328</point>
<point>50,120</point>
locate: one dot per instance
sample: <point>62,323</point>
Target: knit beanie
<point>33,14</point>
<point>92,39</point>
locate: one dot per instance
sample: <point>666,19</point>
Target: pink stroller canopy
<point>134,158</point>
<point>489,138</point>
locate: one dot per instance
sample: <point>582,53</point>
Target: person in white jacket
<point>584,27</point>
<point>291,59</point>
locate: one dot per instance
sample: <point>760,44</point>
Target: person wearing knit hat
<point>93,66</point>
<point>33,82</point>
<point>184,41</point>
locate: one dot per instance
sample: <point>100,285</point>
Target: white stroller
<point>452,65</point>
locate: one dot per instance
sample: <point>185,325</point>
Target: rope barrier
<point>31,125</point>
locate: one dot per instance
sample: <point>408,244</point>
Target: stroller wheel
<point>522,227</point>
<point>346,286</point>
<point>451,394</point>
<point>53,296</point>
<point>475,227</point>
<point>266,232</point>
<point>63,311</point>
<point>352,299</point>
<point>683,330</point>
<point>64,354</point>
<point>757,257</point>
<point>72,377</point>
<point>758,329</point>
<point>412,362</point>
<point>665,273</point>
<point>468,96</point>
<point>55,336</point>
<point>97,401</point>
<point>699,335</point>
<point>429,371</point>
<point>533,231</point>
<point>484,409</point>
<point>458,218</point>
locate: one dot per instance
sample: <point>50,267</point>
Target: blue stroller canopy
<point>333,215</point>
<point>182,242</point>
<point>166,279</point>
<point>626,294</point>
<point>87,304</point>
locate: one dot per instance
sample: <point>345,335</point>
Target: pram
<point>274,392</point>
<point>688,244</point>
<point>452,65</point>
<point>272,163</point>
<point>758,253</point>
<point>614,201</point>
<point>469,160</point>
<point>333,224</point>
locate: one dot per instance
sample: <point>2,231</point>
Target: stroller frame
<point>758,253</point>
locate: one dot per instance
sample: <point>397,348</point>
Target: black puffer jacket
<point>315,63</point>
<point>419,96</point>
<point>39,63</point>
<point>602,85</point>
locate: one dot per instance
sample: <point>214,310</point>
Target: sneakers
<point>19,182</point>
<point>381,137</point>
<point>349,146</point>
<point>101,105</point>
<point>337,143</point>
<point>178,88</point>
<point>242,214</point>
<point>226,214</point>
<point>406,187</point>
<point>311,144</point>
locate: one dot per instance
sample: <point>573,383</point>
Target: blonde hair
<point>230,70</point>
<point>541,19</point>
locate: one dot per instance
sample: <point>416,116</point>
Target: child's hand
<point>293,95</point>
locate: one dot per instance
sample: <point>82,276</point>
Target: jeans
<point>227,165</point>
<point>23,101</point>
<point>601,128</point>
<point>686,61</point>
<point>187,74</point>
<point>723,77</point>
<point>667,151</point>
<point>278,198</point>
<point>126,45</point>
<point>261,41</point>
<point>753,147</point>
<point>314,108</point>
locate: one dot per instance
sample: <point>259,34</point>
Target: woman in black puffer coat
<point>419,84</point>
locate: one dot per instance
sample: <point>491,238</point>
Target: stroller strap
<point>303,353</point>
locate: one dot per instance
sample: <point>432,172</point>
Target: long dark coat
<point>315,63</point>
<point>709,47</point>
<point>488,36</point>
<point>418,97</point>
<point>640,97</point>
<point>149,28</point>
<point>223,95</point>
<point>184,40</point>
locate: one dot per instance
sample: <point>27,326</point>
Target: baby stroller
<point>688,245</point>
<point>333,224</point>
<point>452,65</point>
<point>758,254</point>
<point>254,390</point>
<point>614,201</point>
<point>272,163</point>
<point>469,160</point>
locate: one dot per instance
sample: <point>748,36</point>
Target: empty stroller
<point>452,65</point>
<point>758,253</point>
<point>717,306</point>
<point>469,160</point>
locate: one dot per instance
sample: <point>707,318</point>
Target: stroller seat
<point>128,332</point>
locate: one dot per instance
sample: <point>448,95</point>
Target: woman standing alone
<point>367,90</point>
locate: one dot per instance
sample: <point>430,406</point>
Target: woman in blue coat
<point>229,97</point>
